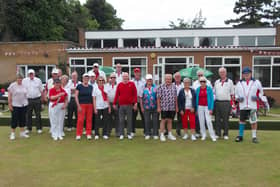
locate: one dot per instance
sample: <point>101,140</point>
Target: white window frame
<point>266,65</point>
<point>129,65</point>
<point>46,69</point>
<point>85,62</point>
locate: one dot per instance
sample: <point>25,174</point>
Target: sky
<point>147,14</point>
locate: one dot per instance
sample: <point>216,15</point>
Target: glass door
<point>158,74</point>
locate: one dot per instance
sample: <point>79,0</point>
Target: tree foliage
<point>255,13</point>
<point>197,22</point>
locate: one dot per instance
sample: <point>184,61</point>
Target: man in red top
<point>126,95</point>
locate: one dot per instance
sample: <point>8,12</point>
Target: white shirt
<point>188,98</point>
<point>247,91</point>
<point>178,87</point>
<point>196,84</point>
<point>19,95</point>
<point>223,91</point>
<point>72,86</point>
<point>111,91</point>
<point>49,85</point>
<point>34,87</point>
<point>102,74</point>
<point>100,103</point>
<point>119,77</point>
<point>140,85</point>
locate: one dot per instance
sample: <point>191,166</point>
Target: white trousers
<point>203,115</point>
<point>56,115</point>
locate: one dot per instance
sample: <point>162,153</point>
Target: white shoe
<point>78,137</point>
<point>132,134</point>
<point>105,137</point>
<point>39,131</point>
<point>155,137</point>
<point>96,137</point>
<point>89,137</point>
<point>121,137</point>
<point>171,137</point>
<point>185,137</point>
<point>162,138</point>
<point>69,129</point>
<point>193,138</point>
<point>197,135</point>
<point>226,138</point>
<point>147,137</point>
<point>217,137</point>
<point>129,137</point>
<point>62,134</point>
<point>203,138</point>
<point>60,138</point>
<point>24,135</point>
<point>26,131</point>
<point>12,136</point>
<point>214,139</point>
<point>55,138</point>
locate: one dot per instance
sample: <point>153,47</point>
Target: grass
<point>39,161</point>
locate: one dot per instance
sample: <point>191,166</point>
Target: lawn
<point>40,161</point>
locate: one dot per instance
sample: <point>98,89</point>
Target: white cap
<point>31,71</point>
<point>54,70</point>
<point>95,65</point>
<point>85,75</point>
<point>149,76</point>
<point>91,74</point>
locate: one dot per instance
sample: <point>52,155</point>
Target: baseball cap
<point>95,65</point>
<point>149,76</point>
<point>85,75</point>
<point>246,70</point>
<point>54,70</point>
<point>31,71</point>
<point>137,70</point>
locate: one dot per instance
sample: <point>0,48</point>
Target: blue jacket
<point>182,99</point>
<point>210,97</point>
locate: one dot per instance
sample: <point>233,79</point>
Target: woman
<point>58,103</point>
<point>148,103</point>
<point>17,100</point>
<point>205,105</point>
<point>84,102</point>
<point>102,109</point>
<point>64,83</point>
<point>187,104</point>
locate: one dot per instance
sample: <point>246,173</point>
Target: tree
<point>197,22</point>
<point>272,12</point>
<point>251,13</point>
<point>105,14</point>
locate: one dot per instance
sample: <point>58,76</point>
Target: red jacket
<point>126,94</point>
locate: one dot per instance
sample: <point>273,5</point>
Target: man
<point>246,94</point>
<point>35,96</point>
<point>167,106</point>
<point>72,106</point>
<point>179,85</point>
<point>111,86</point>
<point>118,73</point>
<point>50,82</point>
<point>98,72</point>
<point>126,95</point>
<point>140,84</point>
<point>92,82</point>
<point>224,92</point>
<point>195,85</point>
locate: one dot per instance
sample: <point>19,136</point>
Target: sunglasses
<point>203,81</point>
<point>199,75</point>
<point>101,80</point>
<point>112,77</point>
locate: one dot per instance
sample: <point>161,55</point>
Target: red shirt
<point>53,92</point>
<point>202,97</point>
<point>126,94</point>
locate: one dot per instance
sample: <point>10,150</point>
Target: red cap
<point>136,70</point>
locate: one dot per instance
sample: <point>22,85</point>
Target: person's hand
<point>61,94</point>
<point>79,108</point>
<point>142,109</point>
<point>11,107</point>
<point>254,98</point>
<point>109,110</point>
<point>115,107</point>
<point>192,110</point>
<point>177,110</point>
<point>159,110</point>
<point>210,112</point>
<point>95,111</point>
<point>135,107</point>
<point>64,106</point>
<point>182,112</point>
<point>240,99</point>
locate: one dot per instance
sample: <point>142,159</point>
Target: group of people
<point>115,103</point>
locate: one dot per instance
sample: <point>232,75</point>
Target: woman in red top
<point>57,105</point>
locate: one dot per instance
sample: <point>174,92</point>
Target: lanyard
<point>244,91</point>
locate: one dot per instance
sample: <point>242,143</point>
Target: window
<point>232,64</point>
<point>266,69</point>
<point>265,40</point>
<point>93,43</point>
<point>148,42</point>
<point>129,63</point>
<point>110,43</point>
<point>186,42</point>
<point>130,42</point>
<point>247,40</point>
<point>82,65</point>
<point>224,41</point>
<point>168,42</point>
<point>43,72</point>
<point>207,41</point>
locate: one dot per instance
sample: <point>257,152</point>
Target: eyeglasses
<point>101,80</point>
<point>199,75</point>
<point>203,81</point>
<point>112,77</point>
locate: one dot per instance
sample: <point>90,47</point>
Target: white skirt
<point>56,115</point>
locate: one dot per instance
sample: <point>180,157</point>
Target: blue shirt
<point>85,94</point>
<point>149,97</point>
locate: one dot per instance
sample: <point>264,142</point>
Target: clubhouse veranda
<point>155,51</point>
